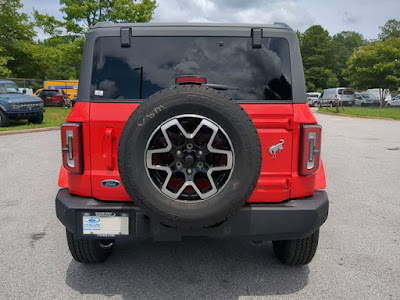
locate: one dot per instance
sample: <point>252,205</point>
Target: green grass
<point>376,112</point>
<point>53,116</point>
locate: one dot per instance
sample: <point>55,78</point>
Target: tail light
<point>310,149</point>
<point>71,143</point>
<point>190,79</point>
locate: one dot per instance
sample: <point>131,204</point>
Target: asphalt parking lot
<point>358,255</point>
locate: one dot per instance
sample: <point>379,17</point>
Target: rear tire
<point>89,251</point>
<point>4,120</point>
<point>297,252</point>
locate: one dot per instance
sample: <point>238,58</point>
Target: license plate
<point>105,224</point>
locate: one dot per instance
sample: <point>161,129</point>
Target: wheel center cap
<point>188,161</point>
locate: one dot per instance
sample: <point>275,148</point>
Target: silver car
<point>366,99</point>
<point>313,99</point>
<point>394,102</point>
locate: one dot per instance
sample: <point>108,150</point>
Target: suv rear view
<point>191,130</point>
<point>54,97</point>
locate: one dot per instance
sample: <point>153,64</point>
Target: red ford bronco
<point>191,130</point>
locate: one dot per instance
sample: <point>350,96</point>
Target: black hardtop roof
<point>276,25</point>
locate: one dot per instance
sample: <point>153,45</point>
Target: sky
<point>364,17</point>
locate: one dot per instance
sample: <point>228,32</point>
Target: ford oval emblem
<point>110,183</point>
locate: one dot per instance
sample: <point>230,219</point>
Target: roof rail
<point>283,25</point>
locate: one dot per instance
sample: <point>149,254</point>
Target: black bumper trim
<point>292,219</point>
<point>24,114</point>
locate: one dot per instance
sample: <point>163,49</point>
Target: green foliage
<point>390,29</point>
<point>319,78</point>
<point>14,25</point>
<point>48,24</point>
<point>317,53</point>
<point>4,71</point>
<point>343,45</point>
<point>81,15</point>
<point>15,29</point>
<point>375,65</point>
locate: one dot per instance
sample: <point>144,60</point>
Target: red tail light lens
<point>310,149</point>
<point>71,143</point>
<point>191,79</point>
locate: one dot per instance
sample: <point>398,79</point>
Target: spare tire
<point>189,156</point>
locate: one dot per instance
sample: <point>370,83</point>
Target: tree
<point>319,78</point>
<point>390,29</point>
<point>343,44</point>
<point>317,53</point>
<point>81,15</point>
<point>376,65</point>
<point>4,71</point>
<point>15,29</point>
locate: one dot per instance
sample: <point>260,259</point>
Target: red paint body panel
<point>63,178</point>
<point>320,180</point>
<point>102,124</point>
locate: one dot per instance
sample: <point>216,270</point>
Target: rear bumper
<point>53,102</point>
<point>278,221</point>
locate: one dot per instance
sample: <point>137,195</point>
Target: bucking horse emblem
<point>276,148</point>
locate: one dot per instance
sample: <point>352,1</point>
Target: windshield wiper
<point>220,87</point>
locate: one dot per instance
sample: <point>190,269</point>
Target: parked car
<point>394,102</point>
<point>70,87</point>
<point>170,154</point>
<point>366,99</point>
<point>18,106</point>
<point>54,97</point>
<point>377,93</point>
<point>345,96</point>
<point>313,99</point>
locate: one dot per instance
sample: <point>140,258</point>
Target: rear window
<point>153,63</point>
<point>346,92</point>
<point>368,96</point>
<point>48,93</point>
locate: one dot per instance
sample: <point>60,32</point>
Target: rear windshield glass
<point>49,92</point>
<point>346,92</point>
<point>153,63</point>
<point>368,96</point>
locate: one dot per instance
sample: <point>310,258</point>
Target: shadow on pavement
<point>193,269</point>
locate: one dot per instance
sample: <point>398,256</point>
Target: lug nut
<point>189,171</point>
<point>179,165</point>
<point>200,153</point>
<point>200,165</point>
<point>179,153</point>
<point>189,146</point>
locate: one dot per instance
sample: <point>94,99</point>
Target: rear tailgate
<point>273,123</point>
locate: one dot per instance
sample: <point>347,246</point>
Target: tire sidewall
<point>164,107</point>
